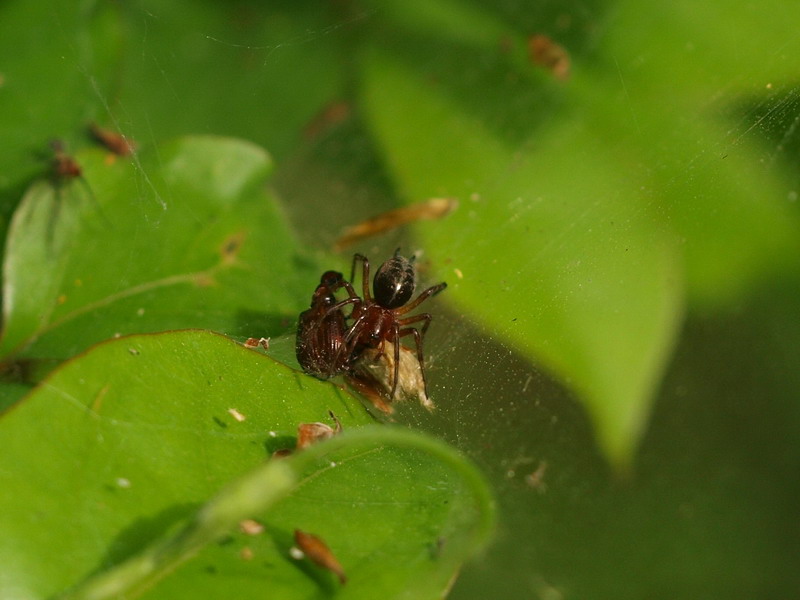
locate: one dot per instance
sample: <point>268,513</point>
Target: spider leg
<point>348,345</point>
<point>364,275</point>
<point>341,304</point>
<point>427,317</point>
<point>350,289</point>
<point>418,342</point>
<point>396,329</point>
<point>431,291</point>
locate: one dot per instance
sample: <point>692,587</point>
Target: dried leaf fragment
<point>255,343</point>
<point>434,208</point>
<point>312,433</point>
<point>317,551</point>
<point>373,375</point>
<point>546,53</point>
<point>114,142</point>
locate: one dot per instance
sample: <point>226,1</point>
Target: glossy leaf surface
<point>184,236</point>
<point>131,453</point>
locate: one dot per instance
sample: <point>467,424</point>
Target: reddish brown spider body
<point>379,320</point>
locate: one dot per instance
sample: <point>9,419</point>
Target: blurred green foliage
<point>617,344</point>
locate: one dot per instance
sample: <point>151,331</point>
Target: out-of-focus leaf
<point>690,52</point>
<point>710,175</point>
<point>101,467</point>
<point>234,69</point>
<point>552,246</point>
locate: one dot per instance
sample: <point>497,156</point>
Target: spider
<point>379,320</point>
<point>321,331</point>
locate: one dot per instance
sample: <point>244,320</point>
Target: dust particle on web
<point>251,527</point>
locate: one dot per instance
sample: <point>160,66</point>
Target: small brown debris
<point>255,343</point>
<point>318,552</point>
<point>312,433</point>
<point>114,142</point>
<point>246,553</point>
<point>434,208</point>
<point>309,434</point>
<point>546,53</point>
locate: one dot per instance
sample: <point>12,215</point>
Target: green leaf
<point>183,236</point>
<point>141,435</point>
<point>550,247</point>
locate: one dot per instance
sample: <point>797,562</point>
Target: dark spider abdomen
<point>394,282</point>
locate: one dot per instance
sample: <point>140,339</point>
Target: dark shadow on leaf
<point>264,324</point>
<point>20,376</point>
<point>27,371</point>
<point>283,442</point>
<point>142,532</point>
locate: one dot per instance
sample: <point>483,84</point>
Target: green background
<point>616,349</point>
